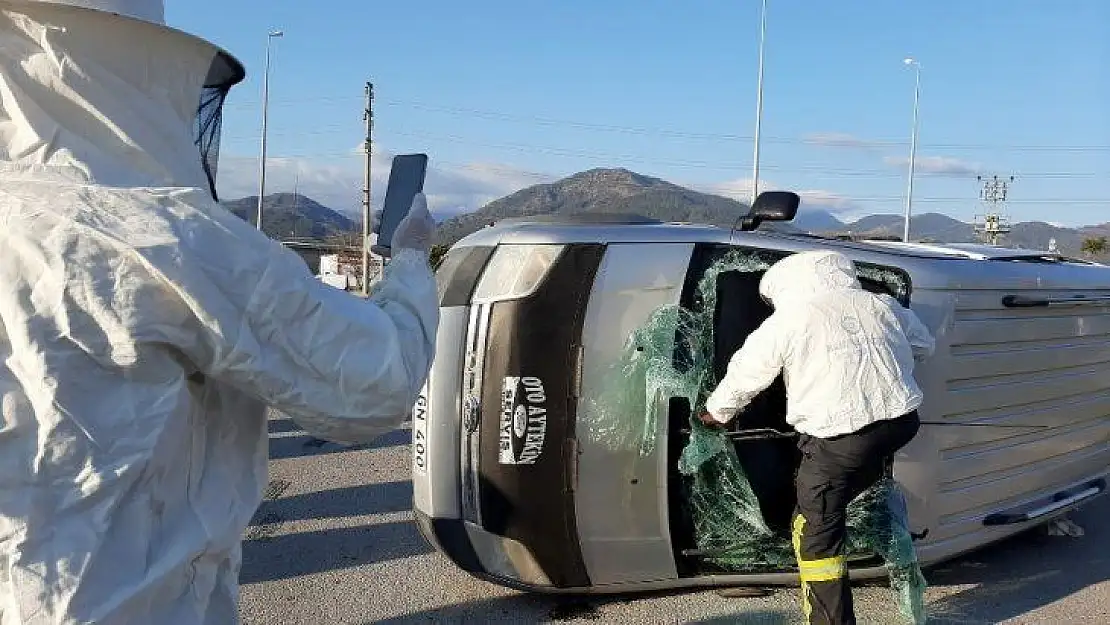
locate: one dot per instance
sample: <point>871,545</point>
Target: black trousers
<point>833,472</point>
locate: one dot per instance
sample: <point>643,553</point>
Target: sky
<point>505,94</point>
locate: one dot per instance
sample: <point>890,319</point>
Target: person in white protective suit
<point>847,358</point>
<point>144,329</point>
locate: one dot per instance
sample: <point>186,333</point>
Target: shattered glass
<point>896,287</point>
<point>671,356</point>
<point>646,375</point>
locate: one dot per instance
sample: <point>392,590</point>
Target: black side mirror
<point>771,206</point>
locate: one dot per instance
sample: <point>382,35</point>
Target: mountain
<point>932,226</point>
<point>1033,235</point>
<point>624,191</point>
<point>816,221</point>
<point>285,215</point>
<point>605,191</point>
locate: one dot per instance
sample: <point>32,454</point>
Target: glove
<point>416,229</point>
<point>708,420</point>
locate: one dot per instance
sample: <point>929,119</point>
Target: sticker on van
<point>523,426</point>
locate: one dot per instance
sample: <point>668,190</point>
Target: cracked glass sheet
<point>891,281</point>
<point>671,356</point>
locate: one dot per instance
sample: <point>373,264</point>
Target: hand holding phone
<point>417,228</point>
<point>406,182</point>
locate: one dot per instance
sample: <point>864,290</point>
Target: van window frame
<point>680,525</point>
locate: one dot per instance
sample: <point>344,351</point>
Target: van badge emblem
<point>471,414</point>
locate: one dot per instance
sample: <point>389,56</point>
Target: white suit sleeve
<point>921,340</point>
<point>343,368</point>
<point>751,369</point>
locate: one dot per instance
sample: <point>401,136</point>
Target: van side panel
<point>1041,378</point>
<point>622,497</point>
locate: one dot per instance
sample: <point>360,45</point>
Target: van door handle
<point>1021,301</point>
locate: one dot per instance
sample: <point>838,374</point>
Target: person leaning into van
<point>847,356</point>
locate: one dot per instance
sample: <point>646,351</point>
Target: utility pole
<point>296,195</point>
<point>993,195</point>
<point>368,117</point>
<point>296,188</point>
<point>913,146</point>
<point>265,115</point>
<point>759,102</point>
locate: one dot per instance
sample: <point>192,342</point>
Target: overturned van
<point>554,450</point>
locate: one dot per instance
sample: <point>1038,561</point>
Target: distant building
<point>335,263</point>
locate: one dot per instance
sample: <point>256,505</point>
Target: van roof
<point>635,229</point>
<point>931,265</point>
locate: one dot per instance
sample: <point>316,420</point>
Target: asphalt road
<point>334,543</point>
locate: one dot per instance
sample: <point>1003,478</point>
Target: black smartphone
<point>406,179</point>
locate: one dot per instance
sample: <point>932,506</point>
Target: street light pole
<point>913,146</point>
<point>759,101</point>
<point>265,114</point>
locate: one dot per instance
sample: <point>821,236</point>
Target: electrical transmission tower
<point>993,223</point>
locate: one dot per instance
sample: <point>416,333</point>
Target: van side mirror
<point>771,206</point>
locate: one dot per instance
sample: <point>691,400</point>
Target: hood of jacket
<point>806,275</point>
<point>93,98</point>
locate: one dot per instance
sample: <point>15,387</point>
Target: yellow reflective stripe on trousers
<point>823,570</point>
<point>810,571</point>
<point>799,524</point>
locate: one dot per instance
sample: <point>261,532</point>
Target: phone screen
<point>406,179</point>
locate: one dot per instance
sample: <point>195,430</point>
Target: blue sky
<point>503,95</point>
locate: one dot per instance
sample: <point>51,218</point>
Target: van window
<point>738,311</point>
<point>732,505</point>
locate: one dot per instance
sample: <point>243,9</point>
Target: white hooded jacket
<point>144,329</point>
<point>846,355</point>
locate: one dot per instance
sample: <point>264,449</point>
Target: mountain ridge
<point>287,215</point>
<point>619,190</point>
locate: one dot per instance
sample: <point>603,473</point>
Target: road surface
<point>334,544</point>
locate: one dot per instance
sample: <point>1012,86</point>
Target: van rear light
<point>515,271</point>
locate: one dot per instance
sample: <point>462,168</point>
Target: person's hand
<point>416,229</point>
<point>708,420</point>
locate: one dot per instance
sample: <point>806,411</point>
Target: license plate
<point>420,435</point>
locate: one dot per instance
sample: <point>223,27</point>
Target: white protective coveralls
<point>846,355</point>
<point>144,329</point>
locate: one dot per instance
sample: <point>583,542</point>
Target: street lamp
<point>913,145</point>
<point>759,102</point>
<point>265,111</point>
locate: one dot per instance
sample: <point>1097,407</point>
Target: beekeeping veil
<point>106,90</point>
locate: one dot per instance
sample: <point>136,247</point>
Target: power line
<point>682,163</point>
<point>831,141</point>
<point>580,153</point>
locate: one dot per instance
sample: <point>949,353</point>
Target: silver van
<point>511,487</point>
